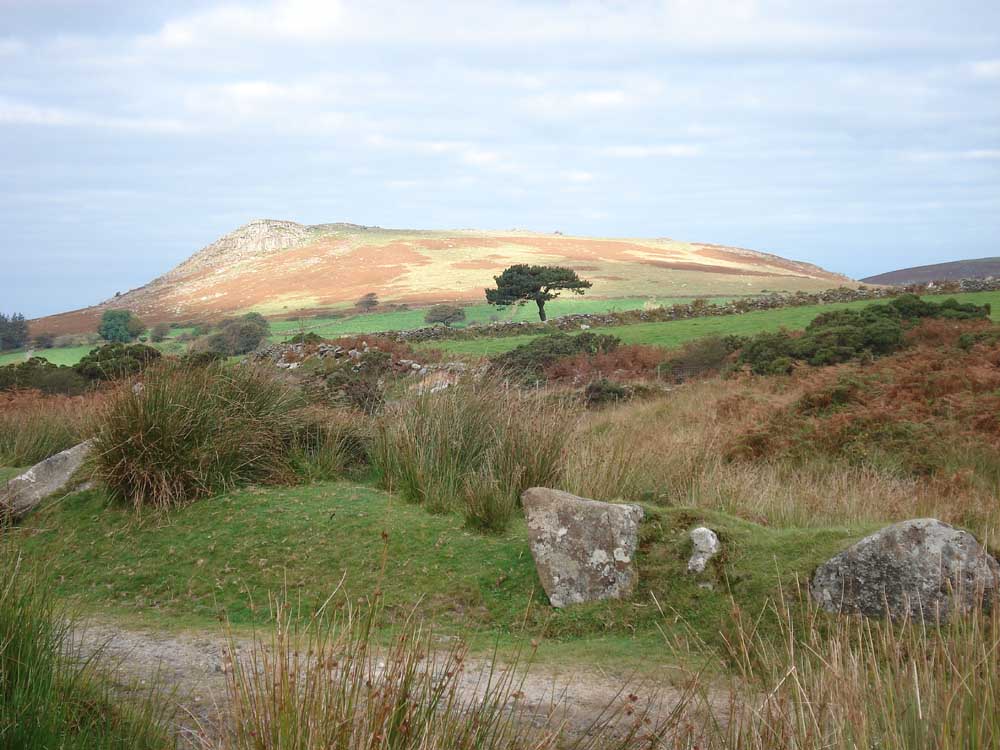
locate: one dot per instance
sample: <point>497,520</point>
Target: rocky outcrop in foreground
<point>584,550</point>
<point>23,493</point>
<point>923,569</point>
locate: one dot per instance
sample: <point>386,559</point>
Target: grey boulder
<point>24,492</point>
<point>705,545</point>
<point>584,550</point>
<point>923,569</point>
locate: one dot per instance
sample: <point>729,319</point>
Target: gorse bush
<point>843,335</point>
<point>472,448</point>
<point>48,698</point>
<point>186,433</point>
<point>33,427</point>
<point>41,375</point>
<point>114,361</point>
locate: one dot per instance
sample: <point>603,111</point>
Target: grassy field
<point>401,320</point>
<point>674,333</point>
<point>221,554</point>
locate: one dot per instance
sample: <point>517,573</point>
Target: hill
<point>975,268</point>
<point>282,268</point>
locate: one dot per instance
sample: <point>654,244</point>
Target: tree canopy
<point>13,331</point>
<point>446,314</point>
<point>367,302</point>
<point>522,283</point>
<point>120,326</point>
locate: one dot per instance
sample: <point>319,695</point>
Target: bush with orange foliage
<point>627,362</point>
<point>931,410</point>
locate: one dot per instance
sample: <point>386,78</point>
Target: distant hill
<point>977,268</point>
<point>283,268</point>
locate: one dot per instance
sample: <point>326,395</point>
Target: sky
<point>862,135</point>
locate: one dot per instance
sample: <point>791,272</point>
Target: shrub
<point>114,361</point>
<point>120,326</point>
<point>159,332</point>
<point>44,341</point>
<point>704,356</point>
<point>632,361</point>
<point>367,302</point>
<point>473,448</point>
<point>604,391</point>
<point>41,375</point>
<point>446,314</point>
<point>239,336</point>
<point>527,362</point>
<point>306,338</point>
<point>192,432</point>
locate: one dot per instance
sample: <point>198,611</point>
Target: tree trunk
<point>541,309</point>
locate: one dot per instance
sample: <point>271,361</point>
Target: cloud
<point>671,150</point>
<point>986,69</point>
<point>21,113</point>
<point>976,154</point>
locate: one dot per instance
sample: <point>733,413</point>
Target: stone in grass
<point>24,492</point>
<point>921,569</point>
<point>584,550</point>
<point>706,545</point>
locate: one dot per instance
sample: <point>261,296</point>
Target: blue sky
<point>862,136</point>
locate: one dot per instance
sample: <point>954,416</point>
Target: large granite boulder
<point>584,550</point>
<point>921,568</point>
<point>24,492</point>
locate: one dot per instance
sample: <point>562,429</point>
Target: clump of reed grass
<point>34,427</point>
<point>180,433</point>
<point>330,683</point>
<point>49,698</point>
<point>472,448</point>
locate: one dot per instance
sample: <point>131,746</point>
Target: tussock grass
<point>852,682</point>
<point>48,698</point>
<point>674,451</point>
<point>472,448</point>
<point>34,427</point>
<point>329,683</point>
<point>186,433</point>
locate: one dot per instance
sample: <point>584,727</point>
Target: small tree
<point>159,332</point>
<point>120,326</point>
<point>44,340</point>
<point>522,283</point>
<point>368,302</point>
<point>446,314</point>
<point>13,331</point>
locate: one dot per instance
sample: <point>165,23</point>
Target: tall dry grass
<point>674,450</point>
<point>472,448</point>
<point>330,683</point>
<point>34,426</point>
<point>851,682</point>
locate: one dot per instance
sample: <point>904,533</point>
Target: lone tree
<point>120,325</point>
<point>368,302</point>
<point>446,314</point>
<point>13,331</point>
<point>521,283</point>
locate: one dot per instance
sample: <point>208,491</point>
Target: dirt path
<point>188,669</point>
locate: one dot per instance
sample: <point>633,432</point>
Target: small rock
<point>584,550</point>
<point>706,546</point>
<point>921,568</point>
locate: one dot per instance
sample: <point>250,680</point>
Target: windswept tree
<point>446,314</point>
<point>368,302</point>
<point>523,283</point>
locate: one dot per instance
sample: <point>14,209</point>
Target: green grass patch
<point>672,334</point>
<point>220,554</point>
<point>9,472</point>
<point>401,320</point>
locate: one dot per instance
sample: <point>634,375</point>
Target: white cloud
<point>978,154</point>
<point>20,113</point>
<point>674,150</point>
<point>986,69</point>
<point>578,176</point>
